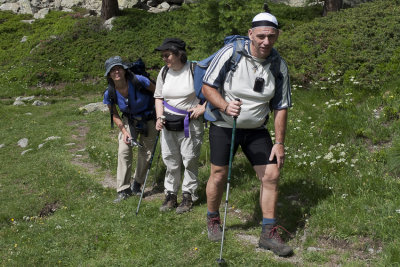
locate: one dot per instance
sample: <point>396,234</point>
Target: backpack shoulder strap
<point>164,73</point>
<point>275,66</point>
<point>192,67</point>
<point>112,96</point>
<point>138,85</point>
<point>238,47</point>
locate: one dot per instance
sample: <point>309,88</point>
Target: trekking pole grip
<point>236,99</point>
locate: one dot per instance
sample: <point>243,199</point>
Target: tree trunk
<point>332,5</point>
<point>109,9</point>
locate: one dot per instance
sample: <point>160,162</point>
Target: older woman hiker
<point>179,116</point>
<point>133,94</point>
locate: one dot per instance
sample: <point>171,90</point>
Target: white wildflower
<point>328,156</point>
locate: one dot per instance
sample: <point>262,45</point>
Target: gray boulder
<point>92,107</point>
<point>41,13</point>
<point>128,3</point>
<point>14,7</point>
<point>108,23</point>
<point>25,7</point>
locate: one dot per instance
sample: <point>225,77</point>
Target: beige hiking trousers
<point>178,151</point>
<point>125,156</point>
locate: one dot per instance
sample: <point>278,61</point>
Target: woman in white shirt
<point>179,116</point>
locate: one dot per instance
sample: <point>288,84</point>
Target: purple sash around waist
<point>183,112</point>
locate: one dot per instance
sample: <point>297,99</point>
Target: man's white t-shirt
<point>240,83</point>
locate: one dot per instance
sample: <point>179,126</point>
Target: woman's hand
<point>160,123</point>
<point>126,137</point>
<point>197,111</point>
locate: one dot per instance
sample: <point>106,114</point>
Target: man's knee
<point>218,174</point>
<point>271,177</point>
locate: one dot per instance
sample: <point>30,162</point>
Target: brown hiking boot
<point>186,204</point>
<point>214,228</point>
<point>271,240</point>
<point>170,202</point>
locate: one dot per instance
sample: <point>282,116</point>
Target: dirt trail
<point>81,157</point>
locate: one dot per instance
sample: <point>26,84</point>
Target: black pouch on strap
<point>174,122</point>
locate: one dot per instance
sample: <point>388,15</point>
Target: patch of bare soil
<point>49,209</point>
<point>365,249</point>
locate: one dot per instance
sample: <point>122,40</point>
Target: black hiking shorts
<point>256,144</point>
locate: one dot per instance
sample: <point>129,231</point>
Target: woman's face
<point>117,73</point>
<point>171,60</point>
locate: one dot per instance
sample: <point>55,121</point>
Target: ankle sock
<point>212,214</point>
<point>268,221</point>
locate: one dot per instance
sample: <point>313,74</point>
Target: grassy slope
<point>336,190</point>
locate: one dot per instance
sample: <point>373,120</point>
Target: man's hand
<point>278,151</point>
<point>233,108</point>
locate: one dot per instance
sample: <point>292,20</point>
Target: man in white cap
<point>260,92</point>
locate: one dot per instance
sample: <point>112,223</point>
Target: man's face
<point>262,41</point>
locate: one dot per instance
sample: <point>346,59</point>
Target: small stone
<point>23,142</point>
<point>313,249</point>
<point>18,103</point>
<point>29,21</point>
<point>39,103</point>
<point>25,151</point>
<point>70,144</point>
<point>52,138</point>
<point>25,98</point>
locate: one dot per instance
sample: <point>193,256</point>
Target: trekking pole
<point>220,260</point>
<point>148,171</point>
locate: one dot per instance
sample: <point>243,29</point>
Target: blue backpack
<point>212,113</point>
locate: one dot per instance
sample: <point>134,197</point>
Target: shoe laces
<point>215,221</point>
<point>185,200</point>
<point>274,233</point>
